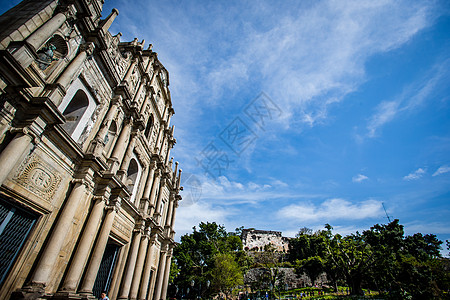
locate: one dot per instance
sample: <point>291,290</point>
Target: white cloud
<point>442,170</point>
<point>359,178</point>
<point>308,56</point>
<point>415,175</point>
<point>386,112</point>
<point>331,209</point>
<point>191,215</point>
<point>411,98</point>
<point>423,227</point>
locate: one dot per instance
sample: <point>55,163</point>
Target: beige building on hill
<point>258,240</point>
<point>88,190</point>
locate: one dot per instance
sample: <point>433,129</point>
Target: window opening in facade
<point>15,226</point>
<point>149,128</point>
<point>75,110</point>
<point>106,269</point>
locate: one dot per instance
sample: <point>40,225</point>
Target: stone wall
<point>257,240</point>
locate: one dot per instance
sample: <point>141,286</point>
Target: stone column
<point>158,202</point>
<point>43,33</point>
<point>131,264</point>
<point>13,152</point>
<point>138,92</point>
<point>84,247</point>
<point>148,187</point>
<point>142,182</point>
<point>175,206</point>
<point>170,209</point>
<point>105,24</point>
<point>139,267</point>
<point>155,187</point>
<point>161,273</point>
<point>166,275</point>
<point>75,65</point>
<point>120,146</point>
<point>101,134</point>
<point>160,133</point>
<point>51,252</point>
<point>144,104</point>
<point>146,274</point>
<point>169,147</point>
<point>99,249</point>
<point>130,71</point>
<point>164,137</point>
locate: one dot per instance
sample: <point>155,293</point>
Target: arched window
<point>132,173</point>
<point>133,176</point>
<point>149,127</point>
<point>77,107</point>
<point>75,110</point>
<point>110,136</point>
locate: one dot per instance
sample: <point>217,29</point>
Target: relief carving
<point>38,177</point>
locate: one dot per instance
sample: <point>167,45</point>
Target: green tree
<point>195,257</point>
<point>226,273</point>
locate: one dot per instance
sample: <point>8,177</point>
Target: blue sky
<point>300,113</point>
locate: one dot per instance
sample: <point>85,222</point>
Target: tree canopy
<point>209,261</point>
<point>380,258</point>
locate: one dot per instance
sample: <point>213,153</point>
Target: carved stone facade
<point>88,190</point>
<point>257,240</point>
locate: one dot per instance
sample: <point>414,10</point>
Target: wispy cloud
<point>411,98</point>
<point>227,192</point>
<point>442,170</point>
<point>427,227</point>
<point>415,175</point>
<point>359,178</point>
<point>191,215</point>
<point>308,55</point>
<point>332,209</point>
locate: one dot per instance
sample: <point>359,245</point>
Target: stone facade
<point>256,240</point>
<point>88,191</point>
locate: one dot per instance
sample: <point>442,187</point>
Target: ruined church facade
<point>88,191</point>
<point>259,240</point>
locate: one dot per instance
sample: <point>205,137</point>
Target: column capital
<point>114,204</point>
<point>139,226</point>
<point>26,130</point>
<point>68,10</point>
<point>84,181</point>
<point>116,100</point>
<point>100,198</point>
<point>172,196</point>
<point>153,165</point>
<point>88,48</point>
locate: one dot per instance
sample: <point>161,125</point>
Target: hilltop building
<point>88,191</point>
<point>257,240</point>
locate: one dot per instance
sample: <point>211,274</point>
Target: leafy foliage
<point>380,258</point>
<point>204,254</point>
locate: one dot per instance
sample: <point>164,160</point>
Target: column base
<point>64,295</point>
<point>32,292</point>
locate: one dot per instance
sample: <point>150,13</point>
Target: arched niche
<point>149,127</point>
<point>51,54</point>
<point>110,136</point>
<point>134,172</point>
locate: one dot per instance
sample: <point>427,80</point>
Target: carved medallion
<point>38,177</point>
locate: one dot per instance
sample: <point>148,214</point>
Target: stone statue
<point>45,56</point>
